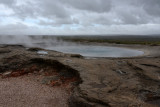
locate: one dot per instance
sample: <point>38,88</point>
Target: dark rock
<point>76,56</point>
<point>34,49</point>
<point>2,51</point>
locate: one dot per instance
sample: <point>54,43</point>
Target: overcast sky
<point>51,17</point>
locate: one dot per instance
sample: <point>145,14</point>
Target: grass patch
<point>116,39</point>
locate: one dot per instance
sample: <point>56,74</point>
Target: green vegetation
<point>143,40</point>
<point>127,39</point>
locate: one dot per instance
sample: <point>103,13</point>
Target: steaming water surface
<point>98,51</point>
<point>85,50</point>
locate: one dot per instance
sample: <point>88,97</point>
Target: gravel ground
<point>27,91</point>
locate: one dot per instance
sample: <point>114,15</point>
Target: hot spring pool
<point>69,47</point>
<point>98,51</point>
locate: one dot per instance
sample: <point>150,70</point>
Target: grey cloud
<point>135,11</point>
<point>152,7</point>
<point>26,11</point>
<point>130,17</point>
<point>97,19</point>
<point>128,11</point>
<point>47,8</point>
<point>52,8</point>
<point>7,2</point>
<point>59,22</point>
<point>90,5</point>
<point>20,29</point>
<point>85,13</point>
<point>12,28</point>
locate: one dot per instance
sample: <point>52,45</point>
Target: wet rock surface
<point>103,82</point>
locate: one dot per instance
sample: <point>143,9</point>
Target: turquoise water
<point>98,51</point>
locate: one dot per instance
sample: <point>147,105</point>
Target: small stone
<point>42,52</point>
<point>29,73</point>
<point>7,73</point>
<point>68,60</point>
<point>41,71</point>
<point>120,72</point>
<point>35,72</point>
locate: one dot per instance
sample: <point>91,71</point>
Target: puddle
<point>42,52</point>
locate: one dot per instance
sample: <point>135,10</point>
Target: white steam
<point>34,41</point>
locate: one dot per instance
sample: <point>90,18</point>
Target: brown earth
<point>27,91</point>
<point>96,82</point>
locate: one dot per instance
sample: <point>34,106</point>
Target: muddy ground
<point>83,82</point>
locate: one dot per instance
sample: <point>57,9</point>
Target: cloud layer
<point>53,17</point>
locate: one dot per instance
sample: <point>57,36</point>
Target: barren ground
<point>27,91</point>
<point>58,79</point>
